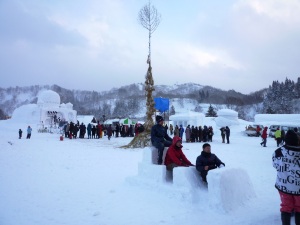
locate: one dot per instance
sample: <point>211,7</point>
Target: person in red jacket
<point>175,156</point>
<point>264,136</point>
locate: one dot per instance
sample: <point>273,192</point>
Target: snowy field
<point>44,181</point>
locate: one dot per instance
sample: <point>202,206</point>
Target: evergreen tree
<point>211,112</point>
<point>120,109</point>
<point>2,115</point>
<point>279,96</point>
<point>172,110</point>
<point>297,88</point>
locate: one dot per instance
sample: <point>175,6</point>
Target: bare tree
<point>149,19</point>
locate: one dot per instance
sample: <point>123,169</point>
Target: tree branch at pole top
<point>149,18</point>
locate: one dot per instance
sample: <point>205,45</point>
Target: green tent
<point>126,121</point>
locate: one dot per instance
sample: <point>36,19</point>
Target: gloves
<point>222,165</point>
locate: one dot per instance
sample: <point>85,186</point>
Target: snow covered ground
<point>44,181</point>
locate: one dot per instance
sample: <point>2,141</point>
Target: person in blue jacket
<point>181,131</point>
<point>160,138</point>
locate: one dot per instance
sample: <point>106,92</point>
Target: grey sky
<point>99,44</point>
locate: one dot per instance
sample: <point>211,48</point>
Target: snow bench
<point>227,188</point>
<point>182,176</point>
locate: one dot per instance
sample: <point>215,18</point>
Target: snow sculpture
<point>47,112</point>
<point>227,117</point>
<point>48,98</point>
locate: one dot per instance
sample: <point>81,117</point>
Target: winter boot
<point>286,218</point>
<point>297,218</point>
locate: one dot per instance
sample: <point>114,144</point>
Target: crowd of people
<point>98,130</point>
<point>197,133</point>
<point>93,130</point>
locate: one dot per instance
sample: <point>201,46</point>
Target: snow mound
<point>227,117</point>
<point>27,114</point>
<point>229,188</point>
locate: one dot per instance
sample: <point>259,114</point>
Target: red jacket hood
<point>175,139</point>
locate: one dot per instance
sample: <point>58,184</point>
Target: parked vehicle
<point>273,128</point>
<point>251,130</point>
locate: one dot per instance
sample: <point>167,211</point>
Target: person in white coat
<point>286,160</point>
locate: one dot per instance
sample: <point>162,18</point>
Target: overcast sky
<point>99,44</point>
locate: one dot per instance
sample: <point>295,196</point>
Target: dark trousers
<point>278,140</point>
<point>160,147</point>
<point>264,142</point>
<point>223,138</point>
<point>227,138</point>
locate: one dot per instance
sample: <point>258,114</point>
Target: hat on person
<point>159,118</point>
<point>291,138</point>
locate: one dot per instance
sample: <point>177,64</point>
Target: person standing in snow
<point>176,131</point>
<point>207,161</point>
<point>29,129</point>
<point>227,134</point>
<point>89,130</point>
<point>277,135</point>
<point>175,157</point>
<point>286,162</point>
<point>210,134</point>
<point>264,136</point>
<point>171,129</point>
<point>223,132</point>
<point>109,131</point>
<point>20,133</point>
<point>188,134</point>
<point>159,138</point>
<point>181,131</point>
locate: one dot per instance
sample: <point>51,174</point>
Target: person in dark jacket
<point>20,133</point>
<point>175,157</point>
<point>159,138</point>
<point>223,132</point>
<point>207,161</point>
<point>286,162</point>
<point>109,131</point>
<point>227,134</point>
<point>94,130</point>
<point>89,130</point>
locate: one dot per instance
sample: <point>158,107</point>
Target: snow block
<point>150,155</point>
<point>229,188</point>
<point>187,177</point>
<point>148,168</point>
<point>156,173</point>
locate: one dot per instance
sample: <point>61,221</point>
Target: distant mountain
<point>128,100</point>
